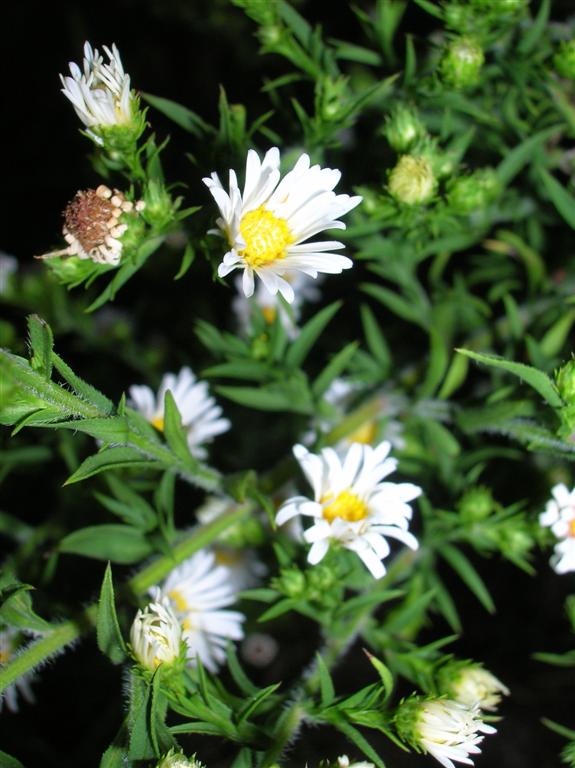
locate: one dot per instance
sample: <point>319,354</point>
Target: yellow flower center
<point>346,505</point>
<point>571,531</point>
<point>364,434</point>
<point>269,314</point>
<point>178,600</point>
<point>158,423</point>
<point>266,237</point>
<point>228,557</point>
<point>4,656</point>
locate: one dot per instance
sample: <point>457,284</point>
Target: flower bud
<point>156,636</point>
<point>412,181</point>
<point>565,382</point>
<point>499,6</point>
<point>477,503</point>
<point>471,684</point>
<point>291,583</point>
<point>461,63</point>
<point>564,59</point>
<point>443,728</point>
<point>344,762</point>
<point>403,128</point>
<point>474,192</point>
<point>175,759</point>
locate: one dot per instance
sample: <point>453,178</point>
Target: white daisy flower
<point>474,685</point>
<point>8,265</point>
<point>351,505</point>
<point>267,224</point>
<point>10,643</point>
<point>270,305</point>
<point>201,417</point>
<point>447,730</point>
<point>197,590</point>
<point>156,635</point>
<point>344,762</point>
<point>559,515</point>
<point>100,94</point>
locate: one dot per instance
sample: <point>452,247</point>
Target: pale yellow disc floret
<point>346,505</point>
<point>266,237</point>
<point>364,434</point>
<point>158,423</point>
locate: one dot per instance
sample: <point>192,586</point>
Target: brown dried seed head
<point>89,215</point>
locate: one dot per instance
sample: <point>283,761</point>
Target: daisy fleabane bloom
<point>445,729</point>
<point>559,515</point>
<point>197,591</point>
<point>100,92</point>
<point>10,644</point>
<point>201,416</point>
<point>267,225</point>
<point>352,507</point>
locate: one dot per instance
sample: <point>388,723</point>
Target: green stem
<point>288,725</point>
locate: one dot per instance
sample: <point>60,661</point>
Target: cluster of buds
<point>95,225</point>
<point>461,63</point>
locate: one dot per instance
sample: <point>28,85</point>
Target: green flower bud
<point>403,128</point>
<point>291,583</point>
<point>160,208</point>
<point>461,63</point>
<point>565,382</point>
<point>320,578</point>
<point>331,95</point>
<point>412,181</point>
<point>175,759</point>
<point>477,503</point>
<point>564,59</point>
<point>474,192</point>
<point>499,6</point>
<point>459,17</point>
<point>470,684</point>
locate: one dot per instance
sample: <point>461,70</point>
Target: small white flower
<point>270,305</point>
<point>267,224</point>
<point>344,762</point>
<point>8,265</point>
<point>447,730</point>
<point>9,646</point>
<point>473,685</point>
<point>559,515</point>
<point>201,417</point>
<point>197,590</point>
<point>100,93</point>
<point>156,635</point>
<point>351,505</point>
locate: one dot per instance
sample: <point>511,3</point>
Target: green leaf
<point>536,379</point>
<point>177,113</point>
<point>445,603</point>
<point>16,609</point>
<point>108,633</point>
<point>521,155</point>
<point>529,42</point>
<point>187,261</point>
<point>309,334</point>
<point>359,741</point>
<point>174,431</point>
<point>438,362</point>
<point>397,304</point>
<point>327,691</point>
<point>255,702</point>
<point>563,200</point>
<point>375,339</point>
<point>116,756</point>
<point>117,543</point>
<point>7,761</point>
<point>239,676</point>
<point>252,370</point>
<point>41,343</point>
<point>461,565</point>
<point>333,369</point>
<point>141,741</point>
<point>555,338</point>
<point>385,674</point>
<point>110,458</point>
<point>285,396</point>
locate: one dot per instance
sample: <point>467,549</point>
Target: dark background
<point>184,51</point>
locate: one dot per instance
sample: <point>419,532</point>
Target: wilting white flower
<point>94,223</point>
<point>100,93</point>
<point>445,729</point>
<point>175,759</point>
<point>267,224</point>
<point>8,265</point>
<point>201,417</point>
<point>472,685</point>
<point>197,590</point>
<point>352,506</point>
<point>156,635</point>
<point>9,646</point>
<point>270,305</point>
<point>559,515</point>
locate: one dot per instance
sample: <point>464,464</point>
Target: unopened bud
<point>461,63</point>
<point>156,636</point>
<point>564,59</point>
<point>471,684</point>
<point>412,181</point>
<point>477,503</point>
<point>474,192</point>
<point>403,129</point>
